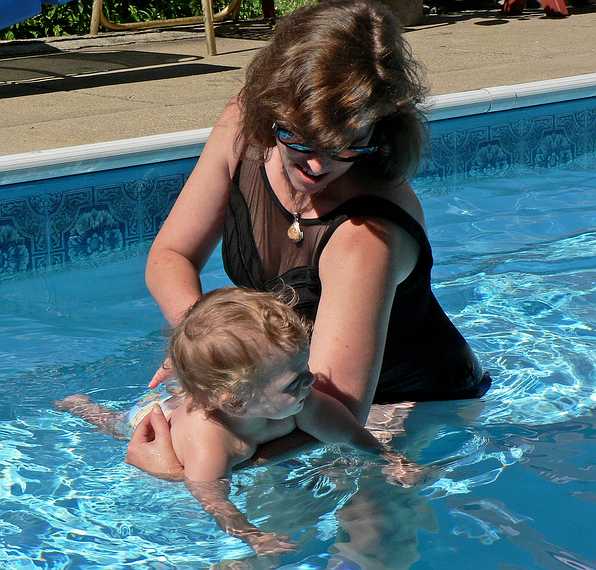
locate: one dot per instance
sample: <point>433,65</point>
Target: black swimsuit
<point>425,358</point>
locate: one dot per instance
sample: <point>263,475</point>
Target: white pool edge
<point>507,97</point>
<point>52,163</point>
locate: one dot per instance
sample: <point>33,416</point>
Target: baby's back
<point>191,426</point>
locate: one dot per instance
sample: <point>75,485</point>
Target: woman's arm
<point>150,448</point>
<point>194,226</point>
<point>360,269</point>
<point>177,255</point>
<point>283,448</point>
<point>330,421</point>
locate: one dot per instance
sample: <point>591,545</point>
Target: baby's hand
<point>269,543</point>
<point>402,472</point>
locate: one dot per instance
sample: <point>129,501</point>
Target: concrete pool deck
<point>71,91</point>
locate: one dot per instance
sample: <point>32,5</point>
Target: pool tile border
<point>530,139</point>
<point>86,225</point>
<point>50,224</point>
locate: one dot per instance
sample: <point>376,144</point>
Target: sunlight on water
<point>525,296</point>
<point>515,269</point>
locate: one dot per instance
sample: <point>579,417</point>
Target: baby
<point>241,358</point>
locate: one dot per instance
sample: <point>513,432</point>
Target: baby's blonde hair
<point>221,344</point>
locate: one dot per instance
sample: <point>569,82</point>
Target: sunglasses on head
<point>348,154</point>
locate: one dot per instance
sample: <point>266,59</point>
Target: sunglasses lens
<point>284,135</point>
<point>349,154</point>
<point>291,140</point>
<point>354,153</point>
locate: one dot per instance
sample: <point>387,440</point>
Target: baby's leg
<point>105,419</point>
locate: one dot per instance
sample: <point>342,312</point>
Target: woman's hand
<point>151,450</point>
<point>163,373</point>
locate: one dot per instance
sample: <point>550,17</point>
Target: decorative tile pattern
<point>494,144</point>
<point>158,202</point>
<point>23,236</point>
<point>117,213</point>
<point>123,202</point>
<point>95,232</point>
<point>554,149</point>
<point>89,224</point>
<point>438,162</point>
<point>15,252</point>
<point>63,215</point>
<point>591,130</point>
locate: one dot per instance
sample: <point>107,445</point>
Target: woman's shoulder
<point>226,134</point>
<point>403,195</point>
<point>373,234</point>
<point>231,116</point>
<point>398,193</point>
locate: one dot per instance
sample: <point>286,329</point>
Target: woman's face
<point>312,172</point>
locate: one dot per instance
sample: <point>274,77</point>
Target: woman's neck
<point>315,205</point>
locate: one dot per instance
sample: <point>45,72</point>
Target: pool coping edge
<point>52,163</point>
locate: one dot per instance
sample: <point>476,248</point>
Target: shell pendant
<point>295,232</point>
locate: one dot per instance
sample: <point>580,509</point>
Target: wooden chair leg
<point>95,16</point>
<point>209,30</point>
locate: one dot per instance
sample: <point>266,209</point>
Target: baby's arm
<point>330,421</point>
<point>211,461</point>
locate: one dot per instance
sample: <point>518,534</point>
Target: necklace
<point>295,232</point>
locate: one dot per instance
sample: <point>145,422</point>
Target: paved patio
<point>71,91</point>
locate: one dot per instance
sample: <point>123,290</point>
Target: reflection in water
<point>343,511</point>
<point>379,527</point>
<point>381,523</point>
<point>357,518</point>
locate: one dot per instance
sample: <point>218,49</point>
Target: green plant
<point>74,18</point>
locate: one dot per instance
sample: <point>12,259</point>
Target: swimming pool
<point>510,201</point>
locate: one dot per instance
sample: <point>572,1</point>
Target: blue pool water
<point>515,268</point>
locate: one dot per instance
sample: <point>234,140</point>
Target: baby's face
<point>285,383</point>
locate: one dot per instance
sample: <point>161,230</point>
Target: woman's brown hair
<point>220,346</point>
<point>330,71</point>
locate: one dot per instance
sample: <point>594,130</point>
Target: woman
<point>304,179</point>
